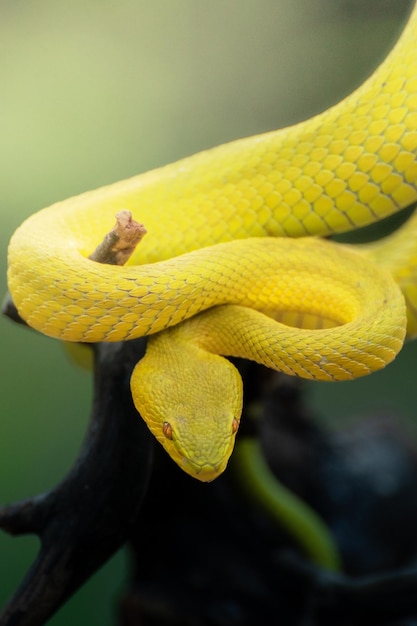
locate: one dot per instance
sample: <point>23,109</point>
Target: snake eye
<point>167,430</point>
<point>235,425</point>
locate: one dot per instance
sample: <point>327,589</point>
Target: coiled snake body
<point>233,247</point>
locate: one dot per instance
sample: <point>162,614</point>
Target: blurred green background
<point>92,92</point>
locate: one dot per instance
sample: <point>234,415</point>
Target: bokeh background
<point>92,92</point>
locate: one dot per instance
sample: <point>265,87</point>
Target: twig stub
<point>119,244</point>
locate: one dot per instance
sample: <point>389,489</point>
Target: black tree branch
<point>87,517</point>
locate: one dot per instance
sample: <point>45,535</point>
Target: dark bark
<point>85,519</point>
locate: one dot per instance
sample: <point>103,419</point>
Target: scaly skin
<point>353,164</point>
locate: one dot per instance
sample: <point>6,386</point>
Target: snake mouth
<point>206,472</point>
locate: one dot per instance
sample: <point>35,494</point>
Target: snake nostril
<point>235,425</point>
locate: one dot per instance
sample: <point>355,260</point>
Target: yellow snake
<point>233,234</point>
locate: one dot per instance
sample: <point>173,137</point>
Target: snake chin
<point>206,473</point>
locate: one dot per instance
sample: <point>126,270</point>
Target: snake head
<point>191,401</point>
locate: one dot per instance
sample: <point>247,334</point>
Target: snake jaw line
<point>204,473</point>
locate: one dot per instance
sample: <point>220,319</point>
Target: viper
<point>236,262</point>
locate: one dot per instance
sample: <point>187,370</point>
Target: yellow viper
<point>233,248</point>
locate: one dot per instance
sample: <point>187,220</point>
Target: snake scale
<point>234,263</point>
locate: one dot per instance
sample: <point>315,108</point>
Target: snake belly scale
<point>233,247</point>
